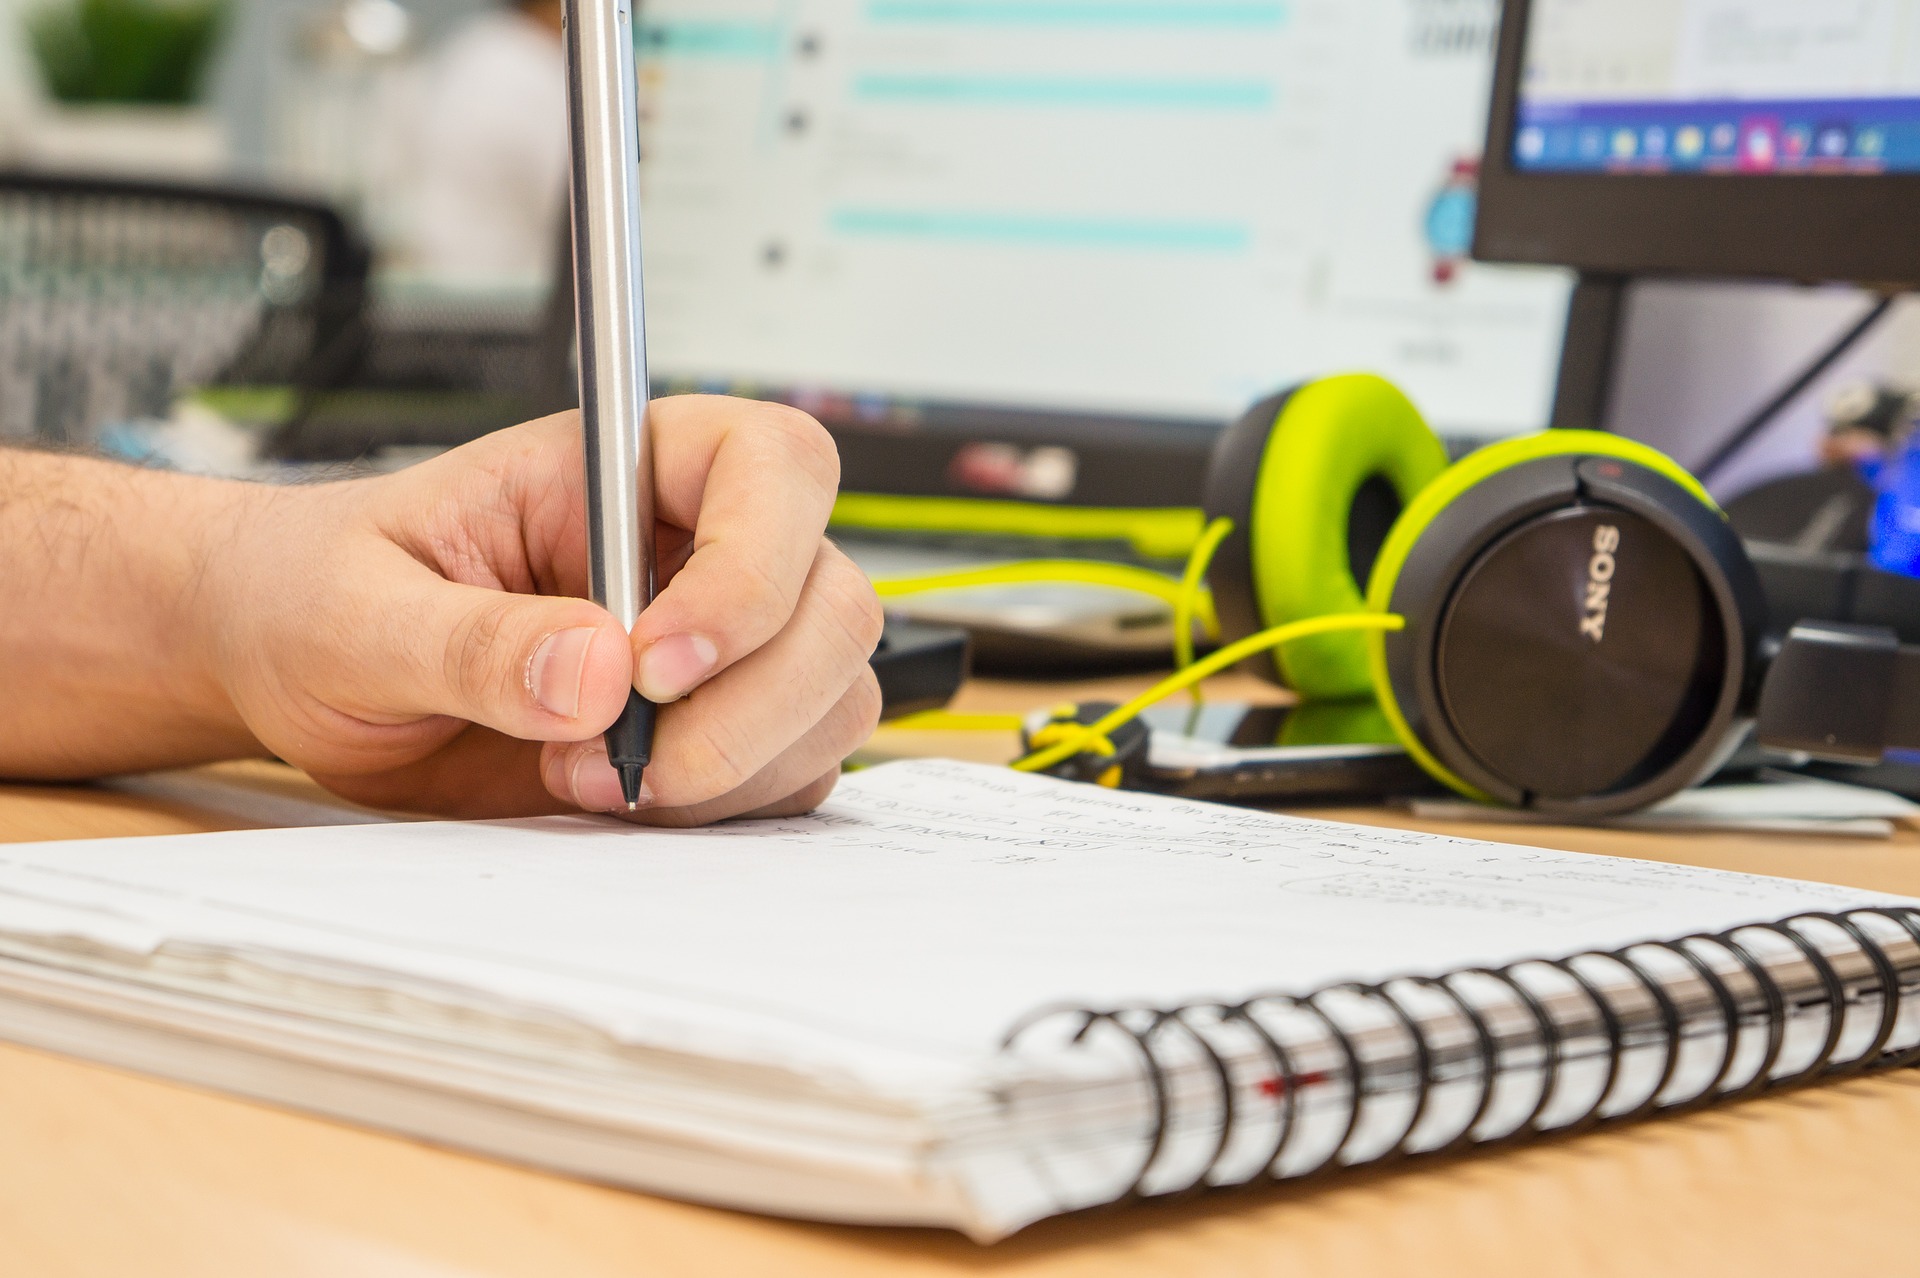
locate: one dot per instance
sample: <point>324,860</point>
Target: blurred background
<point>344,99</point>
<point>428,136</point>
<point>400,170</point>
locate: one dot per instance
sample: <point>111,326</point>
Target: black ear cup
<point>1231,478</point>
<point>1580,633</point>
<point>1232,474</point>
<point>1313,479</point>
<point>1581,624</point>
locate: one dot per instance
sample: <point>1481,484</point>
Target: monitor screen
<point>1752,87</point>
<point>883,209</point>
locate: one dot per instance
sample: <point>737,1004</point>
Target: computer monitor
<point>1758,138</point>
<point>1044,248</point>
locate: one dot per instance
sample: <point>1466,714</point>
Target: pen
<point>603,129</point>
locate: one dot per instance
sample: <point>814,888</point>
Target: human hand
<point>417,640</point>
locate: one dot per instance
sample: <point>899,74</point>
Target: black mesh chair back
<point>439,371</point>
<point>118,295</point>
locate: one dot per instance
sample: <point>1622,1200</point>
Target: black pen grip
<point>630,743</point>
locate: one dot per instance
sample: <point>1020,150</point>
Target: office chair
<point>117,294</point>
<point>437,372</point>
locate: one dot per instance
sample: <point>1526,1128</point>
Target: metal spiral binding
<point>1731,1014</point>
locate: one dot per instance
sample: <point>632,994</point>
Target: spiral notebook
<point>954,996</point>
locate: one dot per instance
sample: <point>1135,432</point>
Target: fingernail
<point>670,667</point>
<point>596,786</point>
<point>558,668</point>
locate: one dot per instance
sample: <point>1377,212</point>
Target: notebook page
<point>890,938</point>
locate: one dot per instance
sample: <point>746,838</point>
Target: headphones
<point>1584,633</point>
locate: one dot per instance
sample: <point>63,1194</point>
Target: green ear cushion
<point>1436,497</point>
<point>1331,436</point>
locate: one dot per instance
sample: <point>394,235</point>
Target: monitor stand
<point>1594,315</point>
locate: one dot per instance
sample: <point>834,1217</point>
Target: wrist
<point>205,623</point>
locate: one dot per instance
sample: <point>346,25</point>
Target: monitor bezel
<point>1828,228</point>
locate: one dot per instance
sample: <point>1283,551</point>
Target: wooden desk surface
<point>105,1173</point>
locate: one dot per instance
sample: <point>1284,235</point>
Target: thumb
<point>535,667</point>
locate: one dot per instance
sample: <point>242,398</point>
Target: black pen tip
<point>630,774</point>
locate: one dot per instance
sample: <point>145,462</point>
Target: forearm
<point>106,629</point>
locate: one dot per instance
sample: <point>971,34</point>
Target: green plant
<point>150,51</point>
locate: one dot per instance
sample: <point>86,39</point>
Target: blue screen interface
<point>1720,86</point>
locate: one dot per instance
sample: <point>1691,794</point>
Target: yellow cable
<point>1190,591</point>
<point>950,721</point>
<point>1054,571</point>
<point>1212,664</point>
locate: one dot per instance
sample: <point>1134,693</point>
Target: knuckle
<point>850,598</point>
<point>677,818</point>
<point>872,621</point>
<point>801,440</point>
<point>762,592</point>
<point>477,656</point>
<point>817,793</point>
<point>814,795</point>
<point>861,707</point>
<point>711,759</point>
<point>803,800</point>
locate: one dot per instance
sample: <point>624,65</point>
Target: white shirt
<point>489,154</point>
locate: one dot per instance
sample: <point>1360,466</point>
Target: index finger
<point>755,484</point>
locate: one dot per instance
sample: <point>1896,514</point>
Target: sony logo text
<point>1606,540</point>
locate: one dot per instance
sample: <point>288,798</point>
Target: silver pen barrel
<point>603,119</point>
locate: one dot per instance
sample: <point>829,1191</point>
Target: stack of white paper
<point>807,1015</point>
